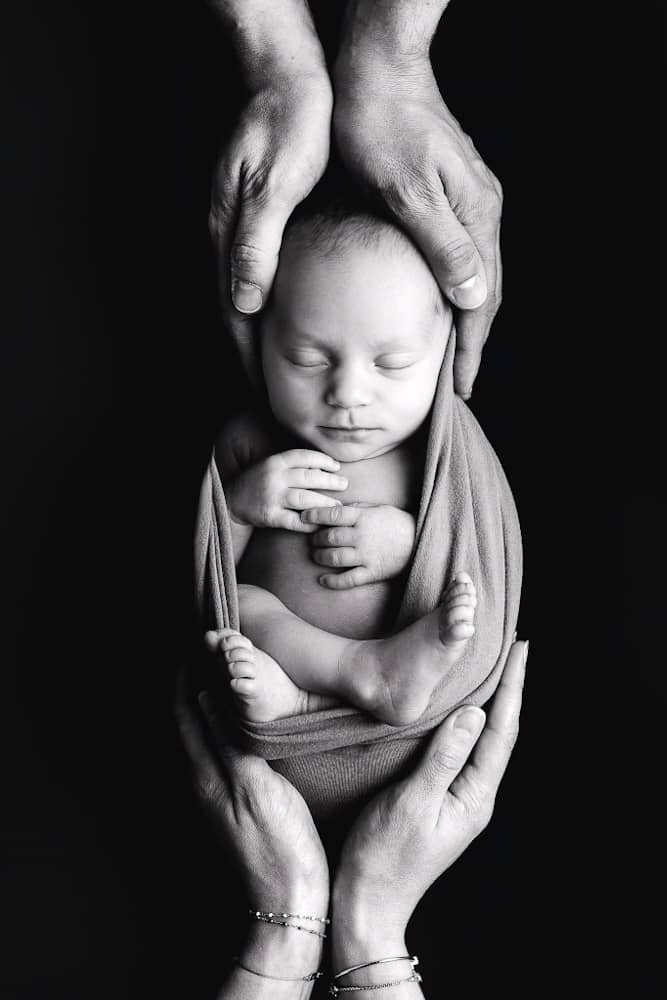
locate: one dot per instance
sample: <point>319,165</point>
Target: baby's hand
<point>272,493</point>
<point>375,541</point>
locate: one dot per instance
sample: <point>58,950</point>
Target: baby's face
<point>352,347</point>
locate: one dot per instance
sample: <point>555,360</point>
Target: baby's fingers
<point>296,499</point>
<point>341,515</point>
<point>356,577</point>
<point>290,521</point>
<point>315,479</point>
<point>306,459</point>
<point>336,557</point>
<point>334,536</point>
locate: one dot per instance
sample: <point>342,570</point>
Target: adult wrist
<point>276,42</point>
<point>363,930</point>
<point>284,951</point>
<point>390,31</point>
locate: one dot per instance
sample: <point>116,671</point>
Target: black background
<point>114,366</point>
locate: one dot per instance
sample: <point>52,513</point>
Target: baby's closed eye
<point>396,362</point>
<point>307,359</point>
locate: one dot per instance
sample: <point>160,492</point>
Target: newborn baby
<point>330,476</point>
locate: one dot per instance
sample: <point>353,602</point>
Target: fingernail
<point>247,297</point>
<point>342,482</point>
<point>469,294</point>
<point>469,720</point>
<point>525,652</point>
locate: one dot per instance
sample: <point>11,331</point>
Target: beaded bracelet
<point>335,990</point>
<point>275,918</point>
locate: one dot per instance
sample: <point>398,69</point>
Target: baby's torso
<point>280,561</point>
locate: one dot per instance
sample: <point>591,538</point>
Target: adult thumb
<point>254,253</point>
<point>451,252</point>
<point>450,748</point>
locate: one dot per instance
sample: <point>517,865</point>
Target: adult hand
<point>274,158</point>
<point>396,135</point>
<point>412,832</point>
<point>258,815</point>
<point>266,826</point>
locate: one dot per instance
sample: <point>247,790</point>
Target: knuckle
<point>479,815</point>
<point>245,255</point>
<point>261,183</point>
<point>409,194</point>
<point>458,254</point>
<point>208,792</point>
<point>445,760</point>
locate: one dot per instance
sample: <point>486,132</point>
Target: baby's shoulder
<point>242,441</point>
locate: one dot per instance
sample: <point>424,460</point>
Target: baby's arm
<point>368,542</point>
<point>270,491</point>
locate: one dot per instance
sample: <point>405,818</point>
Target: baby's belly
<point>280,562</point>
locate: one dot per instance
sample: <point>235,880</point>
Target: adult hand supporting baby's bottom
<point>266,826</point>
<point>411,833</point>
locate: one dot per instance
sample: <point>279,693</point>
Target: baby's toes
<point>458,631</point>
<point>212,641</point>
<point>457,618</point>
<point>244,687</point>
<point>230,639</point>
<point>240,663</point>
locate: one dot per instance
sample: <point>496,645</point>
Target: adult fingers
<point>237,764</point>
<point>473,327</point>
<point>254,250</point>
<point>448,247</point>
<point>479,782</point>
<point>342,515</point>
<point>356,577</point>
<point>207,775</point>
<point>448,751</point>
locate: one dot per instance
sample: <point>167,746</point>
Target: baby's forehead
<point>360,243</point>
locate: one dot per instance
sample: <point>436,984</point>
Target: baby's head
<point>354,335</point>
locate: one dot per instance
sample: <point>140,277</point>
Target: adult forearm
<point>274,39</point>
<point>399,28</point>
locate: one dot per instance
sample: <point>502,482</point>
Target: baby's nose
<point>348,388</point>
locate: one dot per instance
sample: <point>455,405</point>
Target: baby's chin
<point>351,446</point>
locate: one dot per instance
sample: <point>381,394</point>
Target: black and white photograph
<point>332,506</point>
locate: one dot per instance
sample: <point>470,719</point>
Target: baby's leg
<point>262,689</point>
<point>391,678</point>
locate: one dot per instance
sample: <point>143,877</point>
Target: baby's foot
<point>457,614</point>
<point>262,689</point>
<point>394,678</point>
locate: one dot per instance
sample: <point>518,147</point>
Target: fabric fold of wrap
<point>467,520</point>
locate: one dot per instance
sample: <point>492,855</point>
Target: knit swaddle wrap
<point>466,521</point>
